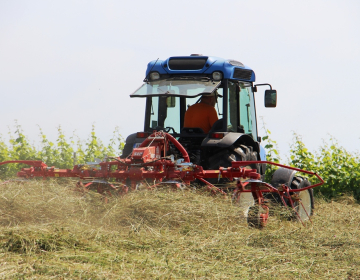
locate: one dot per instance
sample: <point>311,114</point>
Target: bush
<point>339,169</point>
<point>272,154</point>
<point>64,153</point>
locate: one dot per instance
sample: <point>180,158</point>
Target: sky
<point>74,63</point>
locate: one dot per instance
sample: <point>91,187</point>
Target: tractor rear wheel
<point>225,157</point>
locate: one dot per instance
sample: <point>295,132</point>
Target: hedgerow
<point>63,153</point>
<point>339,168</point>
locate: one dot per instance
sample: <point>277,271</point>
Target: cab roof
<point>199,64</point>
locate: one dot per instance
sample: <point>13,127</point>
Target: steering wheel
<point>168,128</point>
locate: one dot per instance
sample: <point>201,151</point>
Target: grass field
<point>50,231</point>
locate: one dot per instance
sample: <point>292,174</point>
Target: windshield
<point>179,87</point>
<point>167,110</point>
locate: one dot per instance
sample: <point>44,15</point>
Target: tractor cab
<point>171,86</point>
<point>168,100</point>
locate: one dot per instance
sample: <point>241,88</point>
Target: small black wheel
<point>304,206</point>
<point>289,178</point>
<point>243,200</point>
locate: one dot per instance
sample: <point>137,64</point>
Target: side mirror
<point>270,98</point>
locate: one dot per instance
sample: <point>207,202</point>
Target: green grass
<point>50,231</point>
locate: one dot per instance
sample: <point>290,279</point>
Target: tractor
<point>173,85</point>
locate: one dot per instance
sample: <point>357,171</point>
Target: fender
<point>231,138</point>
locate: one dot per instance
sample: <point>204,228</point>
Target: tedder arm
<point>150,162</point>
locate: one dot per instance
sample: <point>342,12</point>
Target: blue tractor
<point>174,84</point>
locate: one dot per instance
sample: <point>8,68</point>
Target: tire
<point>289,178</point>
<point>128,147</point>
<point>225,157</point>
<point>129,144</point>
<point>306,197</point>
<point>244,201</point>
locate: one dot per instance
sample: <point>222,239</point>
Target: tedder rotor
<point>151,162</point>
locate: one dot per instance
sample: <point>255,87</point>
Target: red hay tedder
<point>171,150</point>
<point>149,162</point>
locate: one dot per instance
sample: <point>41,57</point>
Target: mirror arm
<point>255,86</point>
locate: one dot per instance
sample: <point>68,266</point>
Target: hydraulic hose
<point>172,140</point>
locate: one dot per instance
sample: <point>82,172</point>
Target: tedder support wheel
<point>306,207</point>
<point>304,204</point>
<point>257,216</point>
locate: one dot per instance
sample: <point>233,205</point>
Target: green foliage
<point>64,150</point>
<point>272,153</point>
<point>300,157</point>
<point>271,148</point>
<point>61,154</point>
<point>94,148</point>
<point>48,152</point>
<point>19,148</point>
<point>339,169</point>
<point>116,143</point>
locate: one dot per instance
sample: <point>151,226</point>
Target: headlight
<point>154,76</point>
<point>217,76</point>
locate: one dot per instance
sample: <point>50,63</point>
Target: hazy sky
<point>74,63</point>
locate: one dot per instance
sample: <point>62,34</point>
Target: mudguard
<point>231,138</point>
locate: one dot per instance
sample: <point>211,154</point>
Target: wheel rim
<point>245,201</point>
<point>305,199</point>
